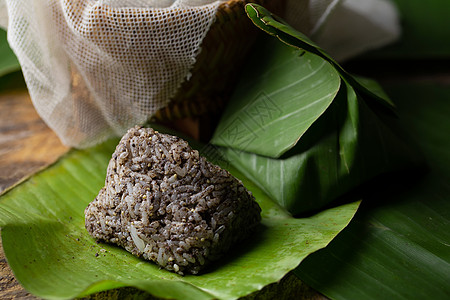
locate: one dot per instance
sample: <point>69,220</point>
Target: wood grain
<point>26,146</point>
<point>26,143</point>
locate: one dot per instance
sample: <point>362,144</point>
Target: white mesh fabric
<point>95,68</point>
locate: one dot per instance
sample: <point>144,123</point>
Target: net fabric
<point>95,68</point>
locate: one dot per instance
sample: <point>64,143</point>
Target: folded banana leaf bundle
<point>302,128</point>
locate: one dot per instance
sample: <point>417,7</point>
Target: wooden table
<point>26,146</point>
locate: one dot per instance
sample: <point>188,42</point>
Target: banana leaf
<point>277,27</point>
<point>283,88</point>
<point>397,246</point>
<point>53,256</point>
<point>323,167</point>
<point>8,60</point>
<point>301,118</point>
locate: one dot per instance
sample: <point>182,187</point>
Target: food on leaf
<point>164,202</point>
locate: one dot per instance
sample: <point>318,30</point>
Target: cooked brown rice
<point>164,202</point>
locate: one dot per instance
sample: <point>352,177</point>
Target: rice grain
<point>164,202</point>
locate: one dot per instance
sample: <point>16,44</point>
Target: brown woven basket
<point>220,60</point>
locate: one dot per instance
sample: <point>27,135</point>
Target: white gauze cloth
<point>95,68</point>
<point>356,26</point>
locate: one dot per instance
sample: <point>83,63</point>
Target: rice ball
<point>164,202</point>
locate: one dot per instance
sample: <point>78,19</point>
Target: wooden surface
<point>26,146</point>
<point>26,143</point>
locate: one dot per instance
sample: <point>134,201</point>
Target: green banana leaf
<point>53,256</point>
<point>300,117</point>
<point>356,147</point>
<point>277,27</point>
<point>397,246</point>
<point>8,60</point>
<point>283,89</point>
